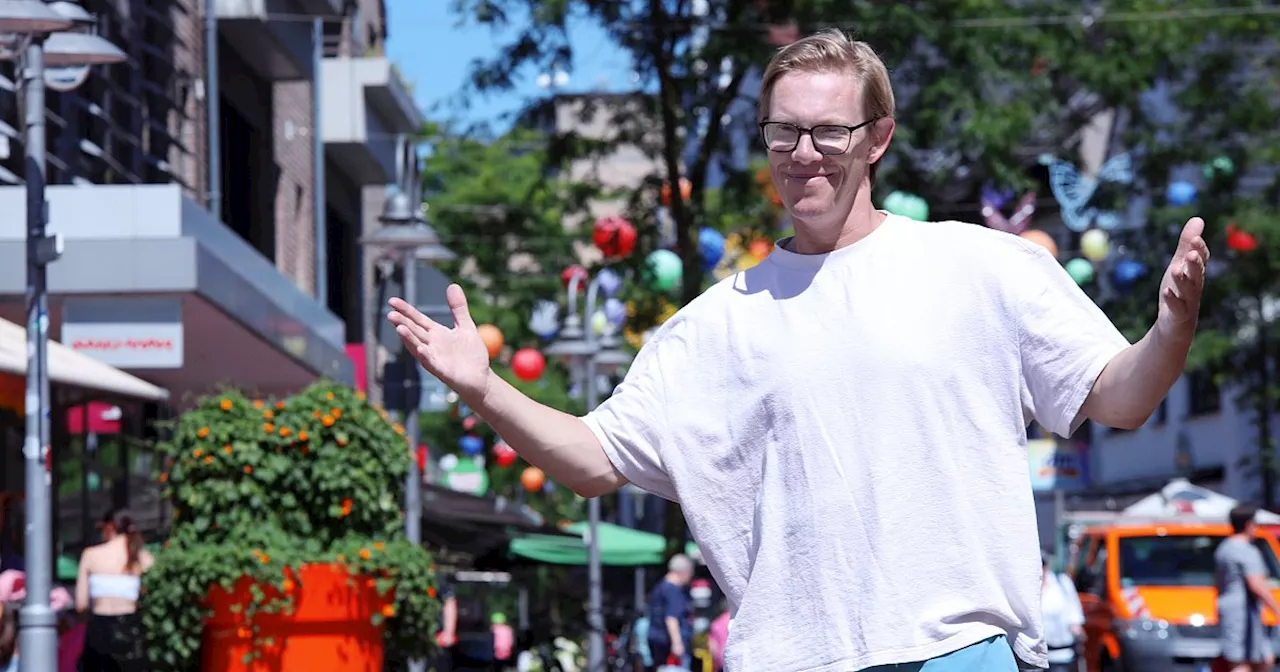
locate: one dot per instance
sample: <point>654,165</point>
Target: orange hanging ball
<point>686,191</point>
<point>1042,239</point>
<point>533,479</point>
<point>492,337</point>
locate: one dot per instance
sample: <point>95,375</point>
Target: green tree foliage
<point>492,203</point>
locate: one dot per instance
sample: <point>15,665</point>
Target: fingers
<point>411,315</point>
<point>457,300</point>
<point>1192,230</point>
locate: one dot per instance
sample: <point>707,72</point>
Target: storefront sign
<point>126,332</point>
<point>128,345</point>
<point>1058,466</point>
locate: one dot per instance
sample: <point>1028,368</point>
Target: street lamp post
<point>588,352</point>
<point>406,236</point>
<point>36,39</point>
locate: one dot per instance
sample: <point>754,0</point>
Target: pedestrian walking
<point>844,425</point>
<point>1063,619</point>
<point>108,587</point>
<point>1241,579</point>
<point>670,615</point>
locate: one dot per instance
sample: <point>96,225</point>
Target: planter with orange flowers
<point>287,549</point>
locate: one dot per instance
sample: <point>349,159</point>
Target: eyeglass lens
<point>780,137</point>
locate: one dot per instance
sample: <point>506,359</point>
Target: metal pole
<point>317,159</point>
<point>413,483</point>
<point>213,106</point>
<point>595,592</point>
<point>38,635</point>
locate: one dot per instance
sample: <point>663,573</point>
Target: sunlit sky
<point>434,51</point>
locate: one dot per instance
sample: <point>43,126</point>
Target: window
<point>1203,395</point>
<point>1184,560</point>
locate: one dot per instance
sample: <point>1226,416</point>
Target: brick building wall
<point>292,127</point>
<point>187,122</point>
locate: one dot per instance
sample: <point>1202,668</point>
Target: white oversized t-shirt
<point>846,433</point>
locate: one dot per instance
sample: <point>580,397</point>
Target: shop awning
<point>68,367</point>
<point>619,547</point>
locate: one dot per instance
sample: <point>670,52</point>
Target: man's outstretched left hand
<point>1183,281</point>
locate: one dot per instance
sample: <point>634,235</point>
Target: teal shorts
<point>989,655</point>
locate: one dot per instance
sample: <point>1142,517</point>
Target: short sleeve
<point>1064,339</point>
<point>444,587</point>
<point>1252,564</point>
<point>631,424</point>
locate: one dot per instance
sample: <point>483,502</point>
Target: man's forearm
<point>556,442</point>
<point>451,616</point>
<point>673,631</point>
<point>1135,381</point>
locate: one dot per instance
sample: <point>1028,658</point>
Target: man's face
<point>819,189</point>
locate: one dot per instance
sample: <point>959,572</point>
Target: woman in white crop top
<point>108,588</point>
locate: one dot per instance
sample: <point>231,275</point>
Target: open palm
<point>456,356</point>
<point>1183,281</point>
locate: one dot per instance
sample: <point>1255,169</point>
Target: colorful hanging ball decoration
<point>1218,168</point>
<point>710,248</point>
<point>614,236</point>
<point>615,311</point>
<point>1180,194</point>
<point>1126,272</point>
<point>907,205</point>
<point>528,364</point>
<point>532,479</point>
<point>470,444</point>
<point>1095,245</point>
<point>600,323</point>
<point>1080,270</point>
<point>759,249</point>
<point>504,455</point>
<point>1042,239</point>
<point>686,191</point>
<point>572,271</point>
<point>608,281</point>
<point>1240,241</point>
<point>492,337</point>
<point>545,319</point>
<point>470,422</point>
<point>663,270</point>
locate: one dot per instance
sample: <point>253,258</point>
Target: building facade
<point>210,194</point>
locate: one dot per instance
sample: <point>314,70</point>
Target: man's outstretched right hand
<point>456,356</point>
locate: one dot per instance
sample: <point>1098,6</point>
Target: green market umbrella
<point>619,547</point>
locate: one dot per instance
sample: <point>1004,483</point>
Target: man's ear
<point>881,134</point>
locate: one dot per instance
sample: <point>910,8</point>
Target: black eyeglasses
<point>828,139</point>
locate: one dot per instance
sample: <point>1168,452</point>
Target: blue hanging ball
<point>1126,272</point>
<point>1180,193</point>
<point>711,247</point>
<point>471,445</point>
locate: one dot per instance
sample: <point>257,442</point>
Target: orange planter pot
<point>330,628</point>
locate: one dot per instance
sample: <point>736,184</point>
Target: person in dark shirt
<point>670,627</point>
<point>448,635</point>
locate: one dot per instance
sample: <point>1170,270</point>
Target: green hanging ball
<point>916,208</point>
<point>663,270</point>
<point>1080,270</point>
<point>1221,166</point>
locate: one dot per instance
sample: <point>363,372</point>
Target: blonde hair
<point>832,50</point>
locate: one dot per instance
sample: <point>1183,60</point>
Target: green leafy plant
<point>261,488</point>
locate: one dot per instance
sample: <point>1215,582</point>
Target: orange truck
<point>1147,589</point>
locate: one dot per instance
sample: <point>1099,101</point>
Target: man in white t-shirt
<point>845,424</point>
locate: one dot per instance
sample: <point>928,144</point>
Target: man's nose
<point>805,151</point>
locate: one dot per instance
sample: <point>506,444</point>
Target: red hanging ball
<point>504,455</point>
<point>614,236</point>
<point>528,364</point>
<point>574,270</point>
<point>1240,241</point>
